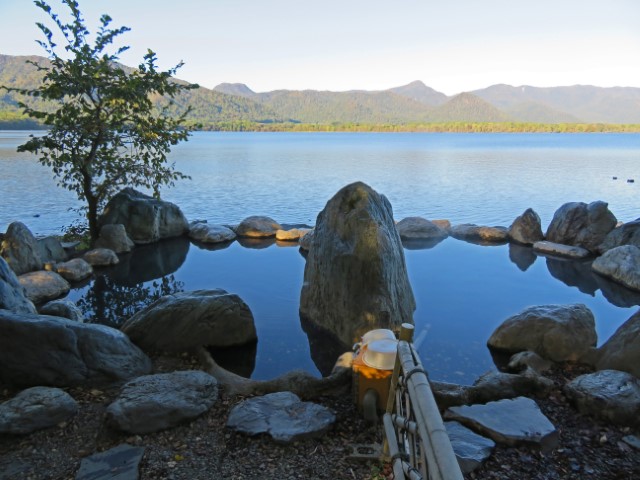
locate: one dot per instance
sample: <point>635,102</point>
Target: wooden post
<point>406,335</point>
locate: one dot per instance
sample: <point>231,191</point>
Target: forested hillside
<point>234,106</point>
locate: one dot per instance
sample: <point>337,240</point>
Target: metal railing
<point>416,440</point>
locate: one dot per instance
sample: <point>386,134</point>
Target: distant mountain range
<point>414,103</point>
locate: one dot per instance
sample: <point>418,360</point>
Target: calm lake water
<point>463,291</point>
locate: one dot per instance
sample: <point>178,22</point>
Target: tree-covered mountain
<point>235,105</point>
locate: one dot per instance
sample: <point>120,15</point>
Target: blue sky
<point>453,46</point>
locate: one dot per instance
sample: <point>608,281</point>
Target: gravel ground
<point>205,449</point>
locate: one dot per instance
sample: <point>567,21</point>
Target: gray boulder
<point>626,234</point>
<point>609,395</point>
<point>418,228</point>
<point>43,286</point>
<point>74,270</point>
<point>306,240</point>
<point>117,463</point>
<point>622,350</point>
<point>12,294</point>
<point>581,225</point>
<point>523,360</point>
<point>205,233</point>
<point>620,264</point>
<point>526,229</point>
<point>476,233</point>
<point>555,332</point>
<point>258,227</point>
<point>510,422</point>
<point>114,237</point>
<point>355,277</point>
<point>281,415</point>
<point>470,449</point>
<point>62,308</point>
<point>51,250</point>
<point>559,249</point>
<point>35,409</point>
<point>145,219</point>
<point>187,320</point>
<point>68,353</point>
<point>156,402</point>
<point>101,257</point>
<point>20,249</point>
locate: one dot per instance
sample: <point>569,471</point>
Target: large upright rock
<point>581,225</point>
<point>526,229</point>
<point>555,332</point>
<point>20,249</point>
<point>355,278</point>
<point>12,295</point>
<point>41,350</point>
<point>622,350</point>
<point>188,320</point>
<point>145,219</point>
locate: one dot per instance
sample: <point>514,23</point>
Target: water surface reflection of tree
<point>109,303</point>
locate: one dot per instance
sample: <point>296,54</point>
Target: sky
<point>452,46</point>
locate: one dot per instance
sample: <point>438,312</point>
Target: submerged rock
<point>355,277</point>
<point>555,332</point>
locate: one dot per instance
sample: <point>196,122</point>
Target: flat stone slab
<point>471,449</point>
<point>561,250</point>
<point>511,422</point>
<point>632,440</point>
<point>156,402</point>
<point>118,463</point>
<point>282,415</point>
<point>36,408</point>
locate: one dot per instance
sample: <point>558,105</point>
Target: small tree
<point>104,130</point>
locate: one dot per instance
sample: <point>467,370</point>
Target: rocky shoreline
<point>95,387</point>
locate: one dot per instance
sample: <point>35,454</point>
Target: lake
<point>463,291</point>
